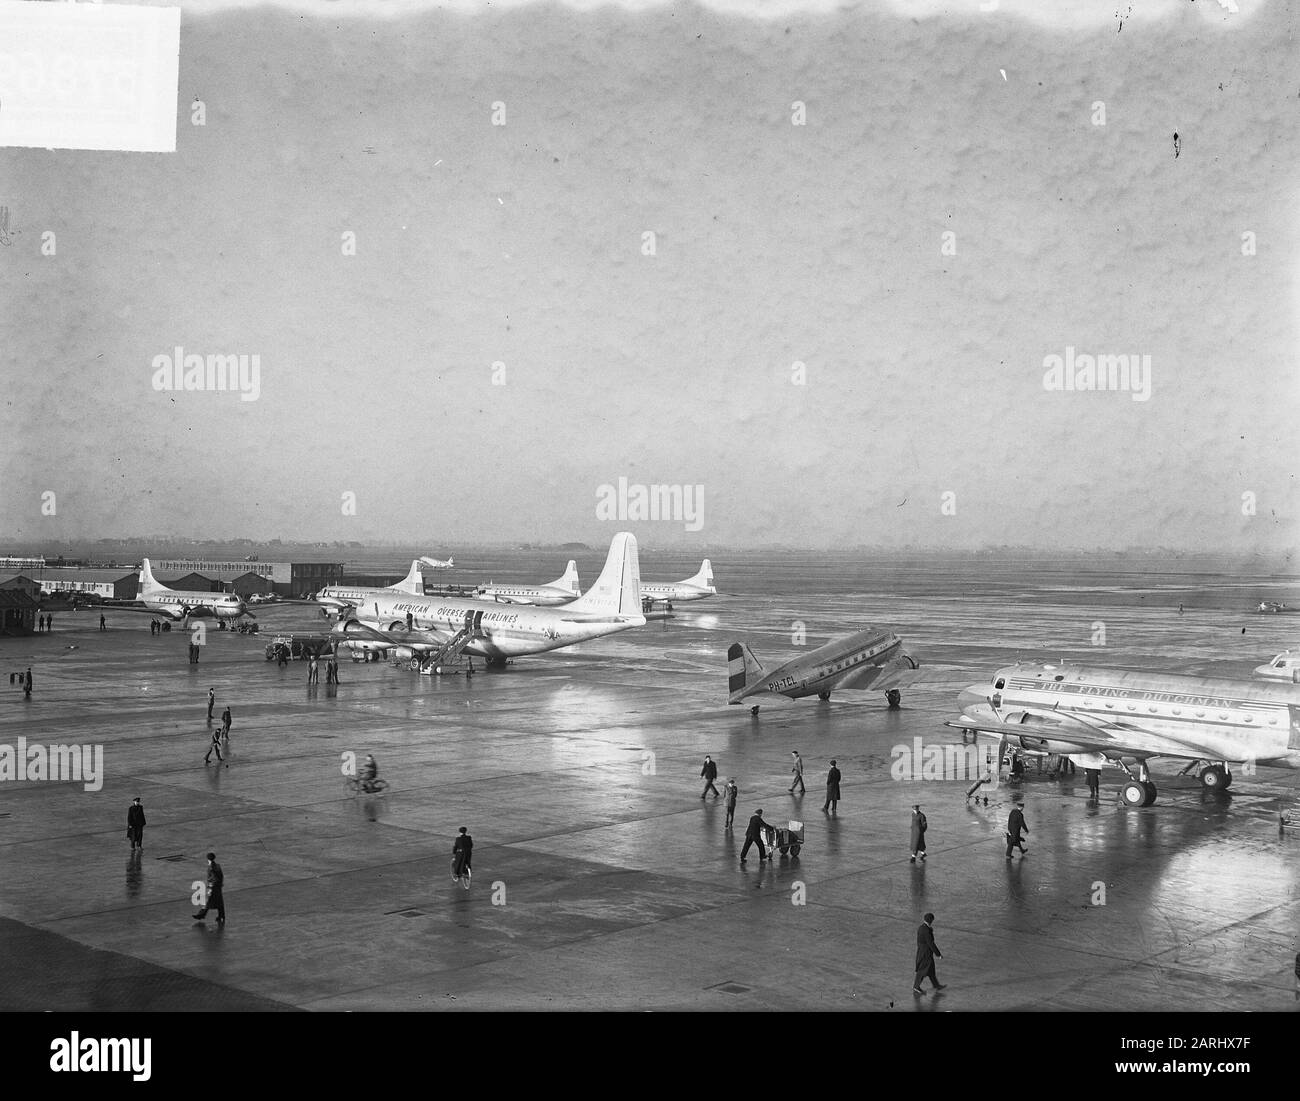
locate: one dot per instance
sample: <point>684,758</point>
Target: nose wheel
<point>894,698</point>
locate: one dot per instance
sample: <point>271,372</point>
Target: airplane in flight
<point>437,628</point>
<point>338,598</point>
<point>560,591</point>
<point>159,600</point>
<point>1097,716</point>
<point>693,588</point>
<point>871,658</point>
<point>438,563</point>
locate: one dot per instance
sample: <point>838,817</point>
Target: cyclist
<point>461,852</point>
<point>369,773</point>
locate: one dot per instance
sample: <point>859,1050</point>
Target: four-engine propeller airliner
<point>696,587</point>
<point>1096,716</point>
<point>157,599</point>
<point>438,563</point>
<point>437,628</point>
<point>871,658</point>
<point>561,591</point>
<point>341,597</point>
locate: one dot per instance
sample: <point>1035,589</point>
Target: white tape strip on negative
<point>89,76</point>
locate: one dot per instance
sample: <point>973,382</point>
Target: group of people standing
<point>44,623</point>
<point>220,735</point>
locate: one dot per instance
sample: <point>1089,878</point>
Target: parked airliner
<point>1097,716</point>
<point>561,591</point>
<point>693,588</point>
<point>157,599</point>
<point>341,597</point>
<point>871,658</point>
<point>437,628</point>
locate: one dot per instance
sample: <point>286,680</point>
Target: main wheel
<point>1215,778</point>
<point>1151,793</point>
<point>1134,793</point>
<point>895,698</point>
<point>785,849</point>
<point>823,695</point>
<point>464,880</point>
<point>794,850</point>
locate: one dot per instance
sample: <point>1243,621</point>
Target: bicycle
<point>462,876</point>
<point>358,786</point>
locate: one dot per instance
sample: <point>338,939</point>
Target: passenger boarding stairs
<point>439,660</point>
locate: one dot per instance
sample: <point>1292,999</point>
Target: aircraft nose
<point>972,695</point>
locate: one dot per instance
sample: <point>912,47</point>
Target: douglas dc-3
<point>437,628</point>
<point>871,658</point>
<point>1097,716</point>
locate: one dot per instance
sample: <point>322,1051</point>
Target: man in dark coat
<point>135,824</point>
<point>212,702</point>
<point>754,835</point>
<point>462,853</point>
<point>710,773</point>
<point>926,953</point>
<point>729,794</point>
<point>832,787</point>
<point>919,826</point>
<point>27,684</point>
<point>1015,827</point>
<point>1094,782</point>
<point>216,881</point>
<point>225,724</point>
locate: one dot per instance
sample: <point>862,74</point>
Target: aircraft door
<point>1293,735</point>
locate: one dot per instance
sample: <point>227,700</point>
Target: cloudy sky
<point>873,226</point>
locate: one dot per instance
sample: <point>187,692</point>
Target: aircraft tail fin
<point>744,670</point>
<point>413,582</point>
<point>617,591</point>
<point>704,579</point>
<point>148,583</point>
<point>569,580</point>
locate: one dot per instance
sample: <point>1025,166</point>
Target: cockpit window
<point>999,684</point>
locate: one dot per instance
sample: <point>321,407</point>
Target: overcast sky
<point>920,414</point>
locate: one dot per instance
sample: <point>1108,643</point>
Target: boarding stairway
<point>452,649</point>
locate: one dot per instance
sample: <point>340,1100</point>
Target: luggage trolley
<point>785,840</point>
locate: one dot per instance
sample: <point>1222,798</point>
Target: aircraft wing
<point>359,630</point>
<point>1089,736</point>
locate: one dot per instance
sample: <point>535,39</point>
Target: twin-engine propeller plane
<point>1096,716</point>
<point>157,599</point>
<point>437,628</point>
<point>561,591</point>
<point>871,658</point>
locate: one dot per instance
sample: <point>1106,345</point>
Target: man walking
<point>216,880</point>
<point>1015,827</point>
<point>754,836</point>
<point>729,793</point>
<point>215,747</point>
<point>27,684</point>
<point>462,853</point>
<point>797,769</point>
<point>103,623</point>
<point>832,788</point>
<point>1094,782</point>
<point>926,953</point>
<point>313,673</point>
<point>212,702</point>
<point>919,826</point>
<point>710,773</point>
<point>135,824</point>
<point>225,726</point>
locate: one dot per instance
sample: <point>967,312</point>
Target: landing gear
<point>1216,777</point>
<point>895,698</point>
<point>754,710</point>
<point>496,662</point>
<point>823,695</point>
<point>1138,791</point>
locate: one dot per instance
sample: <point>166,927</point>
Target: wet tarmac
<point>601,879</point>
